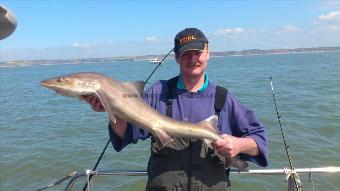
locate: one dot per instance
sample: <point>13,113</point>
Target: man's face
<point>193,63</point>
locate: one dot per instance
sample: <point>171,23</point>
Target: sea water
<point>45,136</point>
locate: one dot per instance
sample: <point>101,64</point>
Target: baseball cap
<point>189,39</point>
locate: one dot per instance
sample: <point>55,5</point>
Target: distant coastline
<point>149,57</point>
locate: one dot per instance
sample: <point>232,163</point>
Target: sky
<point>103,28</point>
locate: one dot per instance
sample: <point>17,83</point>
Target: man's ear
<point>177,60</point>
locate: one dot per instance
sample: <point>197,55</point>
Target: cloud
<point>329,28</point>
<point>329,21</point>
<point>110,42</point>
<point>330,4</point>
<point>290,28</point>
<point>332,27</point>
<point>84,45</point>
<point>152,39</point>
<point>332,17</point>
<point>230,31</point>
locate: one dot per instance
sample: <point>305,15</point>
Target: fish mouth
<point>54,87</point>
<point>48,83</point>
<point>43,83</point>
<point>51,85</point>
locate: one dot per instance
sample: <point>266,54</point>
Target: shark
<point>124,100</point>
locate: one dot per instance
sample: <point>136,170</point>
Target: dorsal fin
<point>210,123</point>
<point>137,86</point>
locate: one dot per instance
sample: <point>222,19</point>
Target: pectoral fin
<point>106,102</point>
<point>162,138</point>
<point>112,118</point>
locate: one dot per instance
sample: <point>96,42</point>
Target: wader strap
<point>171,86</point>
<point>220,97</point>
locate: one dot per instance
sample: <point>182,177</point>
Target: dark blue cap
<point>189,39</point>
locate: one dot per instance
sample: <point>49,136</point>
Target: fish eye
<point>62,79</point>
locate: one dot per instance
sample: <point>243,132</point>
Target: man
<point>187,164</point>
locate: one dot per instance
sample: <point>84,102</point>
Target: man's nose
<point>192,57</point>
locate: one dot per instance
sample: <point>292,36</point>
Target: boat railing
<point>284,171</point>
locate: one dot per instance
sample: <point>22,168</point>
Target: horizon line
<point>141,57</point>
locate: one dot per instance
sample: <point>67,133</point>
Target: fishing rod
<point>292,173</point>
<point>159,64</point>
<point>108,142</point>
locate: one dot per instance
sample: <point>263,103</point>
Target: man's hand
<point>231,146</point>
<point>228,146</point>
<point>95,102</point>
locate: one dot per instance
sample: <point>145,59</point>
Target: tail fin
<point>236,163</point>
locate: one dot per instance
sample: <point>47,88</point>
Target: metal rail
<point>283,171</point>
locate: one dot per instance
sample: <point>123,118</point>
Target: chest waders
<point>187,164</point>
